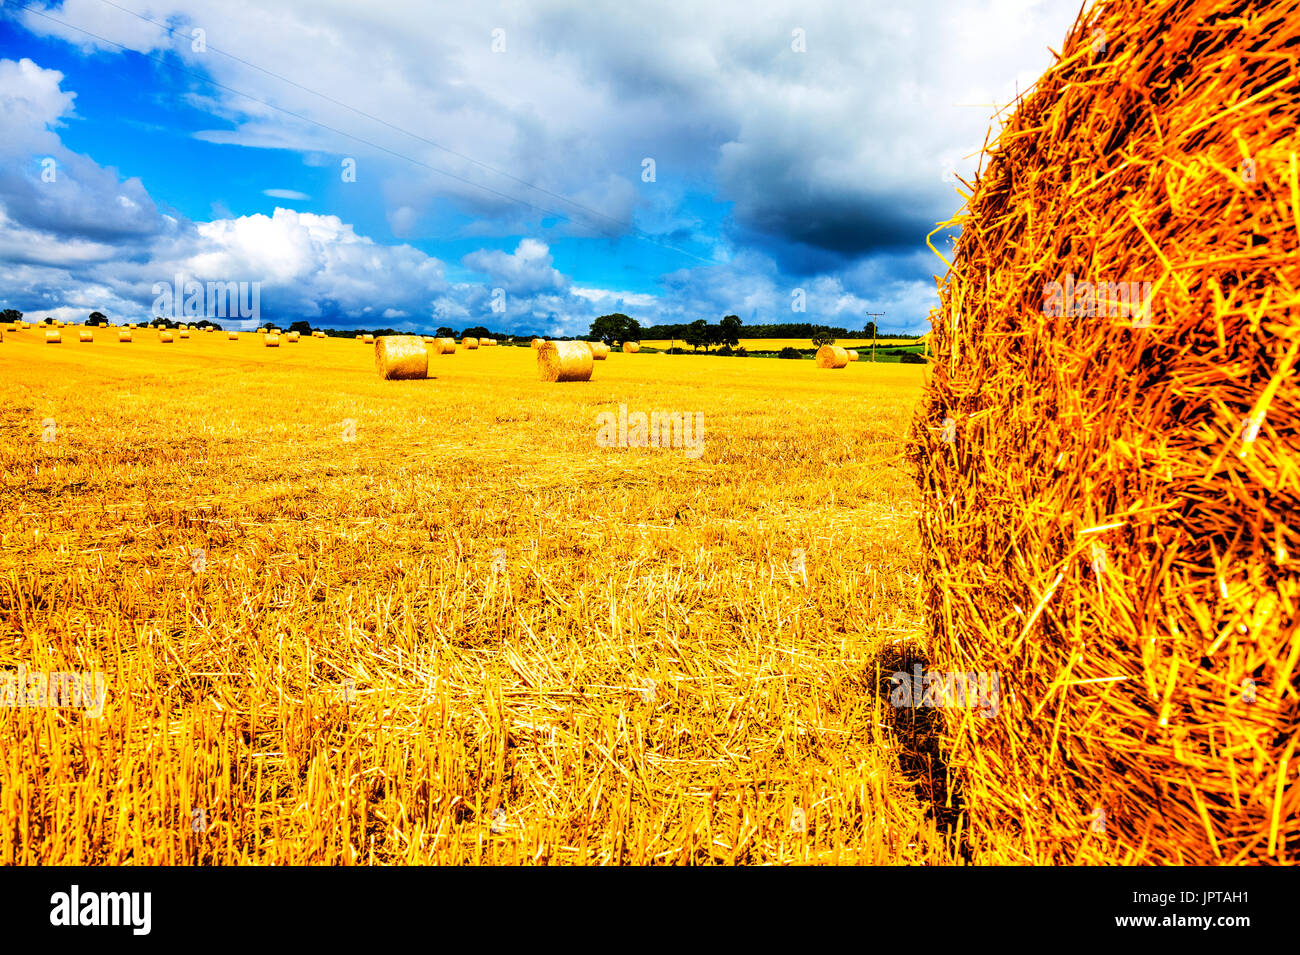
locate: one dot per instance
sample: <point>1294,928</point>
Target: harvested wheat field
<point>435,621</point>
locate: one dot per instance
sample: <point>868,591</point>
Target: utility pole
<point>875,331</point>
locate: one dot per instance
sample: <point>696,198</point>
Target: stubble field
<point>458,629</point>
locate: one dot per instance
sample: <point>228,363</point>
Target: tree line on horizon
<point>612,329</point>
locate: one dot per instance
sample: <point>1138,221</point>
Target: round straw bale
<point>85,335</point>
<point>429,339</point>
<point>853,355</point>
<point>832,356</point>
<point>124,334</point>
<point>447,346</point>
<point>184,333</point>
<point>631,348</point>
<point>470,343</point>
<point>165,335</point>
<point>291,337</point>
<point>368,339</point>
<point>358,336</point>
<point>599,350</point>
<point>401,357</point>
<point>272,341</point>
<point>1107,447</point>
<point>232,336</point>
<point>53,336</point>
<point>564,361</point>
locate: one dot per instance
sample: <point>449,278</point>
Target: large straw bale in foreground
<point>832,356</point>
<point>564,361</point>
<point>1109,492</point>
<point>401,357</point>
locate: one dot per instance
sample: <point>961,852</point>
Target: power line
<point>360,112</point>
<point>875,333</point>
<point>635,232</point>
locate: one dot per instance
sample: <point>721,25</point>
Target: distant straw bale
<point>631,348</point>
<point>832,356</point>
<point>401,357</point>
<point>564,361</point>
<point>470,343</point>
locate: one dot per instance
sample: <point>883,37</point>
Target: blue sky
<point>795,146</point>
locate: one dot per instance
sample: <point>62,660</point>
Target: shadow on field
<point>917,730</point>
